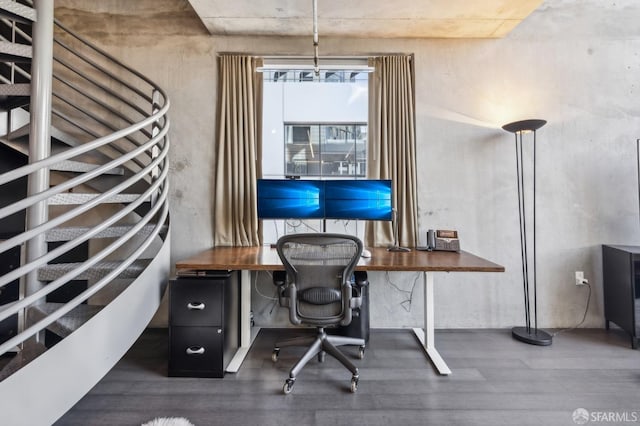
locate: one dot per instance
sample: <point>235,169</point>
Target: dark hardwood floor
<point>496,381</point>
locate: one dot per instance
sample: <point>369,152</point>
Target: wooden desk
<point>247,259</point>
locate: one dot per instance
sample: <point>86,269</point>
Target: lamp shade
<point>524,125</point>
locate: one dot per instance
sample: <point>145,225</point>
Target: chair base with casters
<point>320,345</point>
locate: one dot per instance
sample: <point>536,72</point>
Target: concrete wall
<point>575,63</point>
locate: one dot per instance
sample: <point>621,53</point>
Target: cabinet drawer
<point>196,352</point>
<point>196,302</point>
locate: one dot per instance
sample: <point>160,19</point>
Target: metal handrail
<point>113,60</point>
<point>102,69</point>
<point>17,30</point>
<point>42,324</point>
<point>120,96</point>
<point>71,183</point>
<point>94,117</point>
<point>79,91</point>
<point>23,237</point>
<point>81,149</point>
<point>54,285</point>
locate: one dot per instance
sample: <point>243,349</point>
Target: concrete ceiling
<point>365,18</point>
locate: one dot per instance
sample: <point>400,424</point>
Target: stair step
<point>57,134</point>
<point>63,166</point>
<point>29,352</point>
<point>69,233</point>
<point>72,198</point>
<point>15,52</point>
<point>81,167</point>
<point>22,89</point>
<point>14,96</point>
<point>68,323</point>
<point>96,272</point>
<point>17,12</point>
<point>17,146</point>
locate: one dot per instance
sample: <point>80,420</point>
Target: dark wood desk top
<point>266,258</point>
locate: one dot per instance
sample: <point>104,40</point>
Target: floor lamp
<point>529,333</point>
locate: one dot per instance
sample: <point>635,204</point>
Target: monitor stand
<point>394,223</point>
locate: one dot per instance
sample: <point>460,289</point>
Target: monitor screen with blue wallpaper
<point>331,199</point>
<point>358,199</point>
<point>290,199</point>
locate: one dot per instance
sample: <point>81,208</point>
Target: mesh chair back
<point>319,270</point>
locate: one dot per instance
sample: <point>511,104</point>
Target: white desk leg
<point>246,339</point>
<point>427,336</point>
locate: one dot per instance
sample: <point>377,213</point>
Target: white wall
<point>575,63</point>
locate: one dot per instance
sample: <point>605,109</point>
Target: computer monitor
<point>362,199</point>
<point>290,199</point>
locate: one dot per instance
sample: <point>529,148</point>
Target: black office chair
<point>317,289</point>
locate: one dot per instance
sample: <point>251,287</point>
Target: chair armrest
<point>280,281</point>
<point>361,278</point>
<point>279,278</point>
<point>293,310</point>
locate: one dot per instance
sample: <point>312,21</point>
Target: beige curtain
<point>392,145</point>
<point>238,151</point>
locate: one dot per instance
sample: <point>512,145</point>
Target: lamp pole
<point>527,334</point>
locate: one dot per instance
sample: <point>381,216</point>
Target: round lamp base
<point>531,336</point>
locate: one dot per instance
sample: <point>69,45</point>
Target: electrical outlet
<point>580,279</point>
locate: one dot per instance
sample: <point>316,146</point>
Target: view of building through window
<point>314,127</point>
<point>325,150</point>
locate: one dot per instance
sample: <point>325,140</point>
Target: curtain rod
<point>289,57</point>
<point>313,67</point>
<point>271,57</point>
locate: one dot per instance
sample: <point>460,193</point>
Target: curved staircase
<point>84,217</point>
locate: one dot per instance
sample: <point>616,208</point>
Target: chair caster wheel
<point>354,384</point>
<point>274,354</point>
<point>321,356</point>
<point>288,386</point>
<point>361,352</point>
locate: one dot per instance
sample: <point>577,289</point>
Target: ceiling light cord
<point>316,67</point>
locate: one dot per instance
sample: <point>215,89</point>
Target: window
<point>325,150</point>
<point>314,127</point>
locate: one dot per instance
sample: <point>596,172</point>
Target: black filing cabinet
<point>621,285</point>
<point>203,329</point>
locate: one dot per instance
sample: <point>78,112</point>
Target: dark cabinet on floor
<point>203,329</point>
<point>621,284</point>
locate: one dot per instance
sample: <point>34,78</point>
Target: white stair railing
<point>108,197</point>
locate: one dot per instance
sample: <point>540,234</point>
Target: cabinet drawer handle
<point>195,350</point>
<point>195,306</point>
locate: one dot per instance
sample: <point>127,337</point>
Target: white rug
<point>169,421</point>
